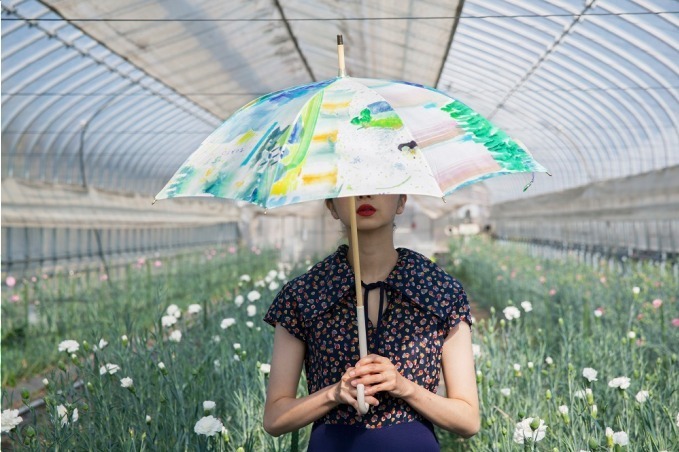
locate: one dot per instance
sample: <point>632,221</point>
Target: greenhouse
<point>366,177</point>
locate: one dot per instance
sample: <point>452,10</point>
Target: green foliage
<point>631,338</point>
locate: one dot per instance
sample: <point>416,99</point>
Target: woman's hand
<point>379,374</point>
<point>346,393</point>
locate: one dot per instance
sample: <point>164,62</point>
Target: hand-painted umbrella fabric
<point>345,137</point>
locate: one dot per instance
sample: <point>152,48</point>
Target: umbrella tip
<point>340,41</point>
<point>443,198</point>
<point>154,201</point>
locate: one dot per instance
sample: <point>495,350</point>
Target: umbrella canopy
<point>347,137</point>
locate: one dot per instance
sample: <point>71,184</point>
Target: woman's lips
<point>365,210</point>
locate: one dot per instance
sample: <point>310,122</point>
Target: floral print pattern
<point>319,308</point>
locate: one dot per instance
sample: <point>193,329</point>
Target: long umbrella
<point>345,137</point>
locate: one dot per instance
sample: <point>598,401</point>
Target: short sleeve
<point>283,311</point>
<point>460,307</point>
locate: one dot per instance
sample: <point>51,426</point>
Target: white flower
<point>527,306</point>
<point>168,320</point>
<point>227,323</point>
<point>589,374</point>
<point>236,346</point>
<point>511,312</point>
<point>208,426</point>
<point>209,405</point>
<point>238,301</point>
<point>45,382</point>
<point>563,409</point>
<point>109,368</point>
<point>620,438</point>
<point>641,396</point>
<point>273,285</point>
<point>172,310</point>
<point>580,394</point>
<point>10,419</point>
<point>265,368</point>
<point>260,283</point>
<point>236,358</point>
<point>194,308</point>
<point>249,324</point>
<point>636,290</point>
<point>530,364</point>
<point>102,344</point>
<point>281,275</point>
<point>272,274</point>
<point>69,346</point>
<point>252,310</point>
<point>523,431</point>
<point>631,334</point>
<point>476,350</point>
<point>517,367</point>
<point>620,382</point>
<point>126,382</point>
<point>245,278</point>
<point>506,392</point>
<point>161,365</point>
<point>62,413</point>
<point>598,312</point>
<point>609,432</point>
<point>549,360</point>
<point>254,295</point>
<point>175,336</point>
<point>217,364</point>
<point>216,339</point>
<point>148,419</point>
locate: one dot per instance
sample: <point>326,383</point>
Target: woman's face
<point>372,211</point>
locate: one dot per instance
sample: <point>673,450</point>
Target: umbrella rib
<point>294,40</point>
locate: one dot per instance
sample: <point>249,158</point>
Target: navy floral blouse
<point>319,308</point>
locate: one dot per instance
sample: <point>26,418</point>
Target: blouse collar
<point>418,280</point>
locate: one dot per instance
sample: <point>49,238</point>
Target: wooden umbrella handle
<point>360,310</point>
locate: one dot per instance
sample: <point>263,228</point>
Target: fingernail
<point>351,374</point>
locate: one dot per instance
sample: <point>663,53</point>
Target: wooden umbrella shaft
<point>360,309</point>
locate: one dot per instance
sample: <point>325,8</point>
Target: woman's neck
<point>377,255</point>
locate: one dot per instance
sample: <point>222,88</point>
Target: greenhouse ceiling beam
<point>294,41</point>
<point>453,29</point>
<point>540,60</point>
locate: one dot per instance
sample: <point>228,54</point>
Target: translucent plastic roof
<point>118,94</point>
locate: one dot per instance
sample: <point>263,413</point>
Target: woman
<point>414,311</point>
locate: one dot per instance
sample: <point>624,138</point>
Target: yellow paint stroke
<point>334,106</point>
<point>239,184</point>
<point>319,178</point>
<point>246,136</point>
<point>285,183</point>
<point>206,176</point>
<point>324,137</point>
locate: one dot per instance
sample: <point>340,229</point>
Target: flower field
<point>572,356</point>
<point>173,356</point>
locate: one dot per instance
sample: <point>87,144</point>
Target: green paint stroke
<point>385,120</point>
<point>504,150</point>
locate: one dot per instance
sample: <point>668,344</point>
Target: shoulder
<point>318,288</point>
<point>428,285</point>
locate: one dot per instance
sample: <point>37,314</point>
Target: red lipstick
<point>365,210</point>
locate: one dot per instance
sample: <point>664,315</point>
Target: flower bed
<point>194,378</point>
<point>573,357</point>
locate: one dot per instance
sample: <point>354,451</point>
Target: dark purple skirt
<point>406,437</point>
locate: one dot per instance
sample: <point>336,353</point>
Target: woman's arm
<point>283,411</point>
<point>458,412</point>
